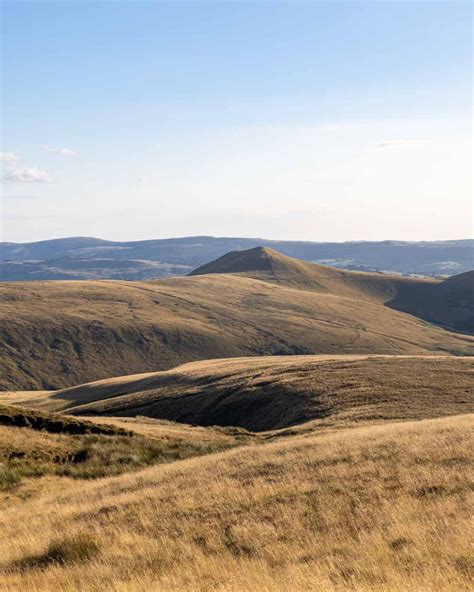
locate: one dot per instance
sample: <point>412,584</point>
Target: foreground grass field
<point>355,476</point>
<point>380,507</point>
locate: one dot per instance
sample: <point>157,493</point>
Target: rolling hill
<point>380,507</point>
<point>345,470</point>
<point>273,393</point>
<point>448,303</point>
<point>57,334</point>
<point>271,266</point>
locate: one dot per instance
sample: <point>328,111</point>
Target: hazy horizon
<point>313,121</point>
<point>216,236</point>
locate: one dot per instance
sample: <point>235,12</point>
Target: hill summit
<point>269,265</point>
<point>256,259</point>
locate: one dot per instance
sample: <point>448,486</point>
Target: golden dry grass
<point>57,334</point>
<point>340,489</point>
<point>28,398</point>
<point>373,508</point>
<point>103,447</point>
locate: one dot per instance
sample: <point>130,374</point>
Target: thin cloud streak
<point>392,143</point>
<point>60,151</point>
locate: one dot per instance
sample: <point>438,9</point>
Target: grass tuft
<point>9,477</point>
<point>76,549</point>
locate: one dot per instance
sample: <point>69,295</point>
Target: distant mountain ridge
<point>93,258</point>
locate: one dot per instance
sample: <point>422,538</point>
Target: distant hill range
<point>93,258</point>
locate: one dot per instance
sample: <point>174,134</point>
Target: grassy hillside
<point>272,393</point>
<point>53,423</point>
<point>58,334</point>
<point>271,266</point>
<point>373,508</point>
<point>449,303</point>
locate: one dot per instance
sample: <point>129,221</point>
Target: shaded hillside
<point>57,334</point>
<point>272,393</point>
<point>448,303</point>
<point>258,259</point>
<point>91,258</point>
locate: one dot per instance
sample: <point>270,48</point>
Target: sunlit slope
<point>374,508</point>
<point>448,303</point>
<point>272,393</point>
<point>57,334</point>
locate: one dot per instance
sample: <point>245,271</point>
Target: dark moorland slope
<point>449,303</point>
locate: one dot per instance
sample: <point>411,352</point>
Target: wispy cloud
<point>8,217</point>
<point>60,151</point>
<point>23,196</point>
<point>392,143</point>
<point>26,174</point>
<point>8,157</point>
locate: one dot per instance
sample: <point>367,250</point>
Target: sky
<point>322,121</point>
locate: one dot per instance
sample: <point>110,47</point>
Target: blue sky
<point>299,120</point>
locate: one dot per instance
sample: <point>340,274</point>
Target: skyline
<point>323,122</point>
